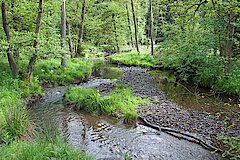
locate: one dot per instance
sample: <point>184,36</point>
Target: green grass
<point>118,101</point>
<point>41,150</point>
<point>14,120</point>
<point>143,59</point>
<point>51,72</point>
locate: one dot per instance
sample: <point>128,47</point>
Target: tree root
<point>177,134</point>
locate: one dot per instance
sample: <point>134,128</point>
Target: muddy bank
<point>165,113</point>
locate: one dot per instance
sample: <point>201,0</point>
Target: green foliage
<point>41,150</point>
<point>231,146</point>
<point>134,58</point>
<point>14,120</point>
<point>51,72</point>
<point>14,123</point>
<point>118,101</point>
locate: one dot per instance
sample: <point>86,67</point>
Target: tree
<point>33,59</point>
<point>135,26</point>
<point>11,59</point>
<point>63,33</point>
<point>80,36</point>
<point>129,26</point>
<point>151,25</point>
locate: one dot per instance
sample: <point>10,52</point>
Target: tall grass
<point>14,120</point>
<point>51,72</point>
<point>118,101</point>
<point>134,58</point>
<point>41,150</point>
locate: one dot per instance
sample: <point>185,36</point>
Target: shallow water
<point>108,138</point>
<point>192,98</point>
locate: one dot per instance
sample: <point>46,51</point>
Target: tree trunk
<point>151,25</point>
<point>115,32</point>
<point>70,44</point>
<point>37,30</point>
<point>229,42</point>
<point>11,60</point>
<point>135,26</point>
<point>80,36</point>
<point>129,26</point>
<point>63,33</point>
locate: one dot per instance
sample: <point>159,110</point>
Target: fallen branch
<point>184,135</point>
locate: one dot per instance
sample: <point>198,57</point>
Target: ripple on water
<point>107,138</point>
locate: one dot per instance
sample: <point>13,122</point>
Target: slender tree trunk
<point>11,60</point>
<point>229,42</point>
<point>70,44</point>
<point>80,36</point>
<point>37,31</point>
<point>63,33</point>
<point>135,26</point>
<point>115,32</point>
<point>129,26</point>
<point>151,25</point>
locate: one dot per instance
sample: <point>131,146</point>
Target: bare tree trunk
<point>80,36</point>
<point>135,26</point>
<point>70,44</point>
<point>129,26</point>
<point>63,33</point>
<point>151,25</point>
<point>229,42</point>
<point>115,32</point>
<point>37,31</point>
<point>11,60</point>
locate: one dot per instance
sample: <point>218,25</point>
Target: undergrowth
<point>134,58</point>
<point>51,72</point>
<point>118,101</point>
<point>14,120</point>
<point>41,150</point>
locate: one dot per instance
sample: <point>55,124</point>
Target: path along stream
<point>107,138</point>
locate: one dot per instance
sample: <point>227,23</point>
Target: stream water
<point>107,138</point>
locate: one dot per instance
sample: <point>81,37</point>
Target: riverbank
<point>164,113</point>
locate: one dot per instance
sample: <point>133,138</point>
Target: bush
<point>118,101</point>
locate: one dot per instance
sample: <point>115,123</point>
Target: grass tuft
<point>41,150</point>
<point>119,101</point>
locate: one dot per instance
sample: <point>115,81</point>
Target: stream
<point>107,138</point>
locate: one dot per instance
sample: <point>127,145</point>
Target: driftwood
<point>177,134</point>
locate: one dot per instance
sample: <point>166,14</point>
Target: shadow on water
<point>192,98</point>
<point>108,138</point>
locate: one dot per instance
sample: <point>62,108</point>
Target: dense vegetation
<point>52,42</point>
